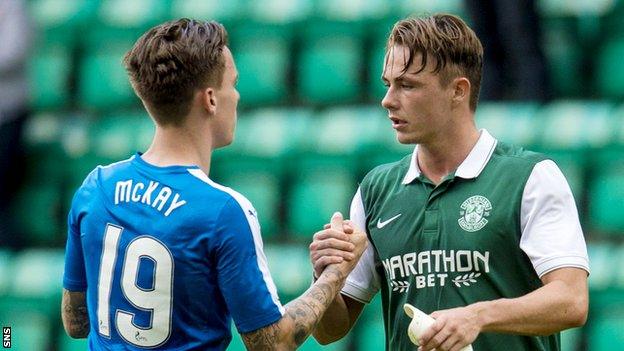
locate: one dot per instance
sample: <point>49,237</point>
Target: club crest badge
<point>474,212</point>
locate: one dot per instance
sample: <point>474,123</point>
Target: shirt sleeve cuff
<point>73,285</point>
<point>550,264</point>
<point>357,293</point>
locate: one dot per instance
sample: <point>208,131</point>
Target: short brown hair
<point>171,61</point>
<point>449,41</point>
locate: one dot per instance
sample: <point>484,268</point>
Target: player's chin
<point>405,138</point>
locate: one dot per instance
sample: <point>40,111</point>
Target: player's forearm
<point>549,309</point>
<point>74,314</point>
<point>301,317</point>
<point>335,323</point>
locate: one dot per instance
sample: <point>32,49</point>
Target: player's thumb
<point>336,221</point>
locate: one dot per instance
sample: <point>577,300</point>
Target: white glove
<point>420,322</point>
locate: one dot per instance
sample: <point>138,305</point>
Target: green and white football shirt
<point>504,219</point>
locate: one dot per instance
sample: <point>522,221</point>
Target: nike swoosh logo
<point>381,224</point>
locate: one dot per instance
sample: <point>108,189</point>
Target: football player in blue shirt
<point>158,255</point>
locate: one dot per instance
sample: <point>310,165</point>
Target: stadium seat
<point>30,330</point>
<point>265,139</point>
<point>512,122</point>
<point>573,125</point>
<point>279,11</point>
<point>67,343</point>
<point>49,73</point>
<point>263,190</point>
<point>118,136</point>
<point>332,56</point>
<point>37,210</point>
<point>455,7</point>
<point>262,54</point>
<point>607,329</point>
<point>226,11</point>
<point>609,71</point>
<point>43,148</point>
<point>38,273</point>
<point>572,339</point>
<point>120,22</point>
<point>354,10</point>
<point>369,330</point>
<point>606,192</point>
<point>290,268</point>
<point>341,138</point>
<point>314,197</point>
<point>103,83</point>
<point>58,22</point>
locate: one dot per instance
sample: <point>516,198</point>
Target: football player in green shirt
<point>482,235</point>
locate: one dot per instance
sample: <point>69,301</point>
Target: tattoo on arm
<point>75,315</point>
<point>302,316</point>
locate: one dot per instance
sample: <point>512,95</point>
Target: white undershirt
<point>551,237</point>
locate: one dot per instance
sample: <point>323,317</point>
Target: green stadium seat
<point>37,211</point>
<point>103,83</point>
<point>38,273</point>
<point>576,125</point>
<point>263,190</point>
<point>601,256</point>
<point>6,269</point>
<point>262,54</point>
<point>564,57</point>
<point>341,135</point>
<point>67,343</point>
<point>417,7</point>
<point>58,21</point>
<point>513,123</point>
<point>219,10</point>
<point>354,10</point>
<point>314,197</point>
<point>49,72</point>
<point>369,330</point>
<point>290,268</point>
<point>120,22</point>
<point>329,69</point>
<point>278,11</point>
<point>265,139</point>
<point>118,136</point>
<point>30,330</point>
<point>43,149</point>
<point>607,329</point>
<point>609,71</point>
<point>572,339</point>
<point>612,25</point>
<point>606,192</point>
<point>33,299</point>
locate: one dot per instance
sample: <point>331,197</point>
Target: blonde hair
<point>447,39</point>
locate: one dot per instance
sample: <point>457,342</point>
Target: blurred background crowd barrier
<point>310,126</point>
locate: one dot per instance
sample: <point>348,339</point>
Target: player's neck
<point>182,146</point>
<point>442,156</point>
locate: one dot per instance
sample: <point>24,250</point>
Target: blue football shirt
<point>167,258</point>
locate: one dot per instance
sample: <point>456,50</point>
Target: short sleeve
<point>363,282</point>
<point>552,236</point>
<point>243,275</point>
<point>74,276</point>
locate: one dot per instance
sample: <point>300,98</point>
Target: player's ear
<point>461,89</point>
<point>208,98</point>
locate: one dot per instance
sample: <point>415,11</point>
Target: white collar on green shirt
<point>472,165</point>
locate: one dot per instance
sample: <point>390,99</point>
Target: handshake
<point>339,244</point>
